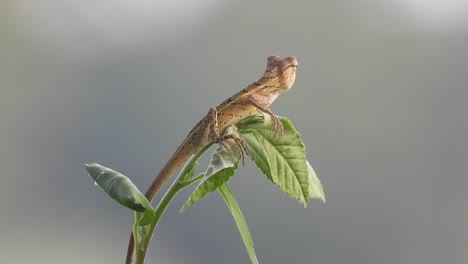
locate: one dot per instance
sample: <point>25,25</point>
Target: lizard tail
<point>175,162</point>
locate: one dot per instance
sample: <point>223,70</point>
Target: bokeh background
<point>380,100</point>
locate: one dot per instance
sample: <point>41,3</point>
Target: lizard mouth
<point>293,67</point>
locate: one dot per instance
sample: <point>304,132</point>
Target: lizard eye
<point>288,62</point>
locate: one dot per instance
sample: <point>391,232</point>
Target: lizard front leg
<point>214,134</point>
<point>262,105</point>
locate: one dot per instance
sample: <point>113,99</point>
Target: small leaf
<point>223,165</point>
<point>118,187</point>
<point>282,159</point>
<point>315,186</point>
<point>239,219</point>
<point>145,218</point>
<point>140,232</point>
<point>191,170</point>
<point>255,119</point>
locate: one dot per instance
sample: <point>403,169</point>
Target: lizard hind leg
<point>214,135</point>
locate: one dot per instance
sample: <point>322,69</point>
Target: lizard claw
<point>278,127</point>
<point>239,142</point>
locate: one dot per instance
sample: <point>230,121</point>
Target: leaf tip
<point>90,165</point>
<point>87,166</point>
<point>323,199</point>
<point>186,205</point>
<point>93,169</point>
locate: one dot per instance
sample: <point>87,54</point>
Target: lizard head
<point>283,70</point>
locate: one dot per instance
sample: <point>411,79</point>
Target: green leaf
<point>282,159</point>
<point>315,186</point>
<point>119,188</point>
<point>223,165</point>
<point>145,218</point>
<point>240,220</point>
<point>140,232</point>
<point>191,170</point>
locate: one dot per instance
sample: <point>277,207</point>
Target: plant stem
<point>179,184</point>
<point>142,249</point>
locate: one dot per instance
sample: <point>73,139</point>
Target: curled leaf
<point>223,165</point>
<point>119,187</point>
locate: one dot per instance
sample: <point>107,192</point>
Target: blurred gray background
<point>380,101</point>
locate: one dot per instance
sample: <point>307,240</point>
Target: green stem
<point>180,183</point>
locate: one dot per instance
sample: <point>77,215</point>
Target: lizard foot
<point>239,142</point>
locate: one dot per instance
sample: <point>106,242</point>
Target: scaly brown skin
<point>278,77</point>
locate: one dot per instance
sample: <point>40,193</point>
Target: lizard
<point>278,77</point>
